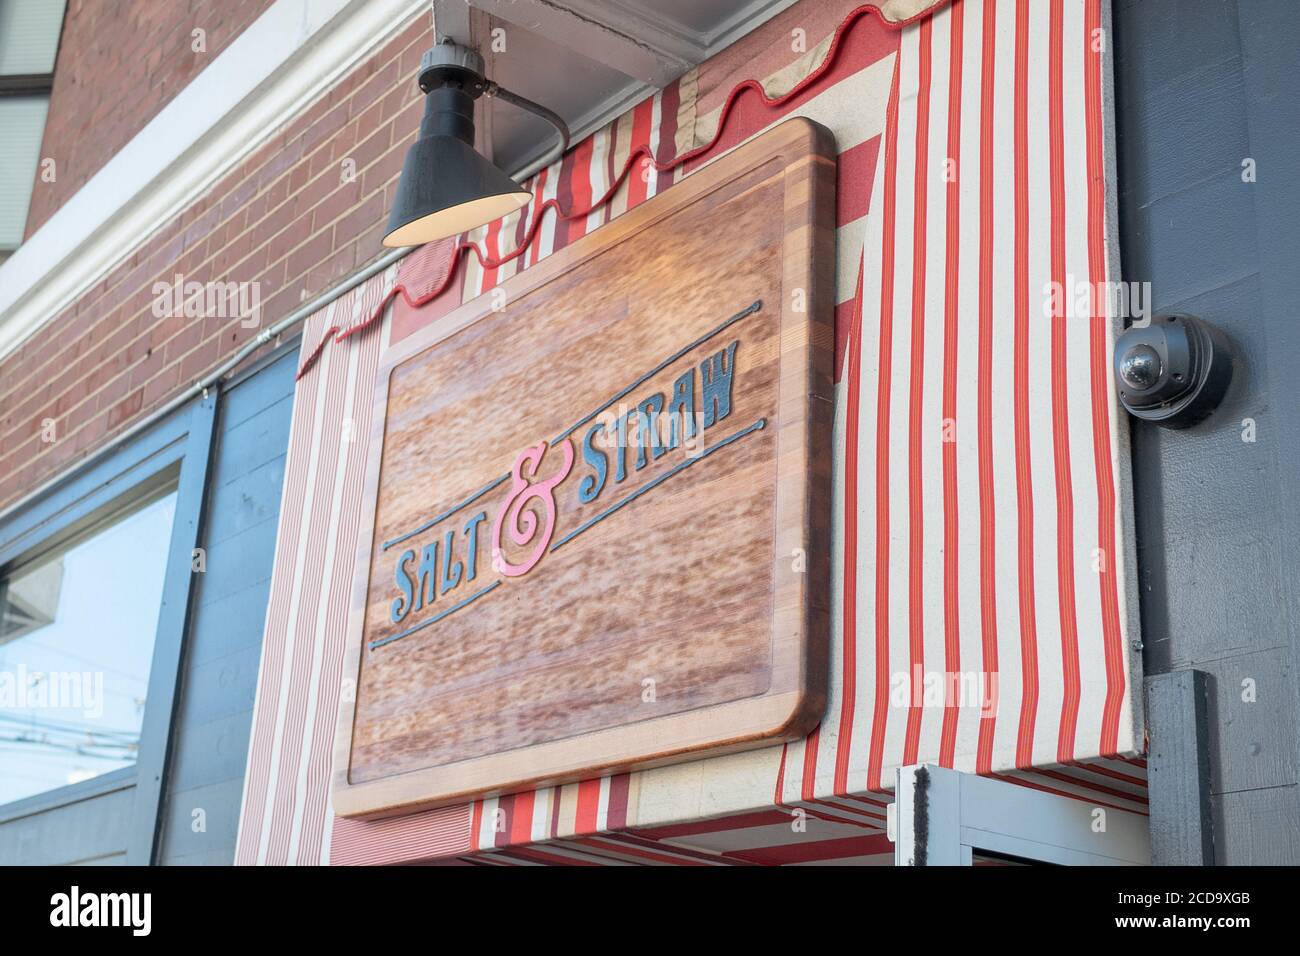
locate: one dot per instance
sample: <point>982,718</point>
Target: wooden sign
<point>600,501</point>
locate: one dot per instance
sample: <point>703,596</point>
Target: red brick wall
<point>284,218</point>
<point>120,62</point>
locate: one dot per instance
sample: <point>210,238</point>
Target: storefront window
<point>77,628</point>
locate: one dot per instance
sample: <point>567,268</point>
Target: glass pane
<point>22,123</point>
<point>76,643</point>
<point>29,35</point>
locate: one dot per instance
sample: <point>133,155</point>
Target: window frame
<point>26,84</point>
<point>176,450</point>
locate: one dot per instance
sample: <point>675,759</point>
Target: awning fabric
<point>981,496</point>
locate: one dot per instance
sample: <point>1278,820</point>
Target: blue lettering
<point>471,558</point>
<point>402,605</point>
<point>715,377</point>
<point>592,485</point>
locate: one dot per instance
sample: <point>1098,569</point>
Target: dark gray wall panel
<point>219,680</point>
<point>1256,744</point>
<point>1201,86</point>
<point>1254,826</point>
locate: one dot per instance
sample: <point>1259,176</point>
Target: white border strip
<point>271,71</point>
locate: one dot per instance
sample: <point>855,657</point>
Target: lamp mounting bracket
<point>450,64</point>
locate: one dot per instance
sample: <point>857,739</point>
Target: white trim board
<point>270,72</point>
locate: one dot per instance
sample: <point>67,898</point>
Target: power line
<point>62,727</point>
<point>115,751</point>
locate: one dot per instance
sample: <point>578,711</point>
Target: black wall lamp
<point>1173,371</point>
<point>446,186</point>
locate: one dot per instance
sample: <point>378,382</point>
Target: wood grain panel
<point>675,607</point>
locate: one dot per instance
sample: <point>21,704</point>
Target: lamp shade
<point>447,187</point>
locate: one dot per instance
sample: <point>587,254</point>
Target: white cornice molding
<point>278,65</point>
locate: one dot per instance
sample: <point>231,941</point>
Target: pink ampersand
<point>521,525</point>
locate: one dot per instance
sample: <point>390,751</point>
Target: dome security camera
<point>1172,372</point>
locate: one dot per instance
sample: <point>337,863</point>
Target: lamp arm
<point>558,150</point>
